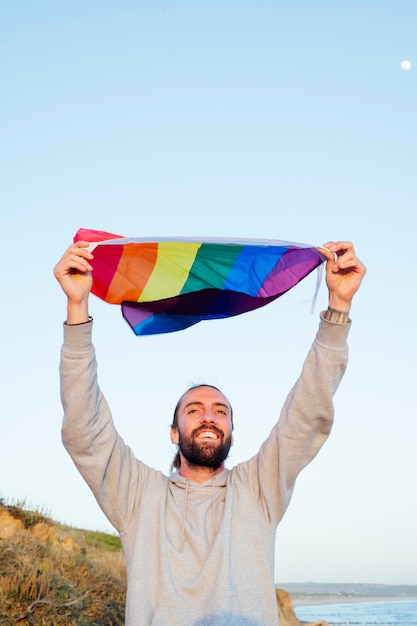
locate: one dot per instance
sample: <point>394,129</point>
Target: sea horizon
<point>330,593</point>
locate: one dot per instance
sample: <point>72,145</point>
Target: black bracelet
<point>90,319</point>
<point>333,315</point>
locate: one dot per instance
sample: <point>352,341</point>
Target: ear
<point>174,435</point>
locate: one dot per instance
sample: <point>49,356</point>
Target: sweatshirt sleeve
<point>88,433</point>
<point>305,421</point>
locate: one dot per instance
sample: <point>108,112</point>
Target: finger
<point>73,262</point>
<point>79,252</point>
<point>328,245</point>
<point>80,265</point>
<point>326,252</point>
<point>344,254</point>
<point>341,247</point>
<point>352,263</point>
<point>80,247</point>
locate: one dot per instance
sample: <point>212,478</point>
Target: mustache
<point>212,428</point>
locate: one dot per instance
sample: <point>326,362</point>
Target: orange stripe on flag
<point>131,277</point>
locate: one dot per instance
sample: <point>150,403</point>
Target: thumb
<point>330,256</point>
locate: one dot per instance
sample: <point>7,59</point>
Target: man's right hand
<point>73,272</point>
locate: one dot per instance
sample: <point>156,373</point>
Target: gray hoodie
<point>198,554</point>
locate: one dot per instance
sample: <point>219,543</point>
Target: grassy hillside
<point>55,575</point>
<point>51,575</point>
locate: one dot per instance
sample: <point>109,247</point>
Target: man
<point>199,544</point>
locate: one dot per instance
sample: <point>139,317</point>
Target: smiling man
<point>202,430</point>
<point>199,543</point>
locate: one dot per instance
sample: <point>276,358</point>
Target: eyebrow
<point>199,403</point>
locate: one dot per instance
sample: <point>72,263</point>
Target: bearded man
<point>199,543</point>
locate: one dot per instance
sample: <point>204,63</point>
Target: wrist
<point>339,304</point>
<point>77,313</point>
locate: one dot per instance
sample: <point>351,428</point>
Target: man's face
<point>204,431</point>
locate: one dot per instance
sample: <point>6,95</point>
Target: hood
<point>217,481</point>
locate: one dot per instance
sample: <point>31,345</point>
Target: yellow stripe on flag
<point>171,270</point>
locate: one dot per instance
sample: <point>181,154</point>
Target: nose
<point>207,416</point>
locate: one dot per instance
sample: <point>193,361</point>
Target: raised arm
<point>88,433</point>
<point>307,415</point>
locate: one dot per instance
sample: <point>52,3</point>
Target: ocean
<point>381,613</point>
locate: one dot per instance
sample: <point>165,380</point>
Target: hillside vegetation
<point>55,575</point>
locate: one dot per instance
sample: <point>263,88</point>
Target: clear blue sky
<point>284,120</point>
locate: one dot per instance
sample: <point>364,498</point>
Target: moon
<point>405,65</point>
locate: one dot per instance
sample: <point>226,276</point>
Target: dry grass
<point>52,575</point>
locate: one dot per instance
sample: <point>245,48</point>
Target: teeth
<point>207,434</point>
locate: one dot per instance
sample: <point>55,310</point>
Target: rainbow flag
<point>168,284</point>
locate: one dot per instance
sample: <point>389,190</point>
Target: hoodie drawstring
<point>184,512</point>
<point>187,485</point>
<point>213,508</point>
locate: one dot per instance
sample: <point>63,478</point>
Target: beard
<point>204,453</point>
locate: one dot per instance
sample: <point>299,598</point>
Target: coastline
<point>313,593</point>
<point>315,600</point>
